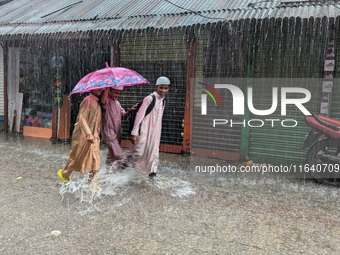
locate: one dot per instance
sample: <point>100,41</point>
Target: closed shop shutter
<point>293,49</point>
<point>2,102</point>
<point>219,54</point>
<point>153,55</point>
<point>222,141</point>
<point>273,142</point>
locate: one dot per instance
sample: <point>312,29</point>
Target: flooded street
<point>180,212</point>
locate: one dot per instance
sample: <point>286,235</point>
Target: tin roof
<point>65,16</point>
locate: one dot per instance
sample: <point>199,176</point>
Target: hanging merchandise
<point>328,76</point>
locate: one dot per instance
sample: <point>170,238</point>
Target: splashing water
<point>143,216</point>
<point>108,185</point>
<point>177,187</point>
<point>111,183</point>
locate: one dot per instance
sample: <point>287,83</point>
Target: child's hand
<point>90,138</point>
<point>134,107</point>
<point>130,110</point>
<point>133,139</point>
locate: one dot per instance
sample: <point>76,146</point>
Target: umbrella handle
<point>107,65</point>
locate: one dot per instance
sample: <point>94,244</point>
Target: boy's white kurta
<point>145,153</point>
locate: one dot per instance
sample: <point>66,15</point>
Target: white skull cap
<point>163,80</point>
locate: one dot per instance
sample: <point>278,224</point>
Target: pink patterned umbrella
<point>108,77</point>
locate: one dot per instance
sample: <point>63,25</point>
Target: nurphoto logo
<point>238,106</point>
<point>204,97</point>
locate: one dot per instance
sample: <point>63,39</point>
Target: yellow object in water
<point>63,180</point>
<point>95,187</point>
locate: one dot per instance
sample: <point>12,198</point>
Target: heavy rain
<point>190,208</point>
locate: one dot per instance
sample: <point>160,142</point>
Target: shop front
<point>36,71</point>
<point>41,73</point>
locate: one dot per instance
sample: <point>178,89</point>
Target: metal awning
<point>64,16</point>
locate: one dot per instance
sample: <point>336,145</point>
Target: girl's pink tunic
<point>145,153</point>
<point>112,129</point>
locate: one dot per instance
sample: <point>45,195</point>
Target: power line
<point>199,14</point>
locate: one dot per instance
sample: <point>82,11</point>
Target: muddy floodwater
<point>180,212</point>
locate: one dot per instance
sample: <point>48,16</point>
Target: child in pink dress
<point>146,132</point>
<point>111,123</point>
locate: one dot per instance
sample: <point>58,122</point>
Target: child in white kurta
<point>146,133</point>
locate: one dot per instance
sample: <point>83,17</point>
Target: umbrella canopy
<point>108,77</point>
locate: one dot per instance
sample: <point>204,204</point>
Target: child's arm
<point>126,114</point>
<point>104,97</point>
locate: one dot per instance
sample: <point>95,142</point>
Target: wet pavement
<point>178,213</point>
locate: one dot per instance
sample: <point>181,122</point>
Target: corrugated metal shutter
<point>2,102</point>
<point>153,55</point>
<point>293,48</point>
<point>279,144</point>
<point>221,137</point>
<point>219,54</point>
